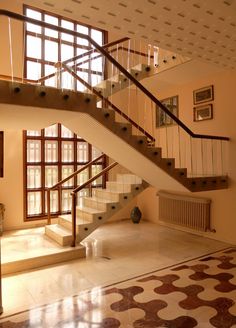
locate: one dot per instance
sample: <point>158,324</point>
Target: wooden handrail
<point>116,109</point>
<point>73,195</point>
<point>116,64</point>
<point>66,179</point>
<point>108,168</point>
<point>77,172</point>
<point>87,53</point>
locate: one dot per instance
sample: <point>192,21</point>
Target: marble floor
<point>133,276</point>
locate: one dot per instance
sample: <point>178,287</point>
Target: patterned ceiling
<point>200,29</point>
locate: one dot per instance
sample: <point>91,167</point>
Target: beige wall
<point>11,186</point>
<point>11,36</point>
<point>223,202</point>
<point>223,123</point>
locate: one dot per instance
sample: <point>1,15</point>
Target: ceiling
<point>200,29</point>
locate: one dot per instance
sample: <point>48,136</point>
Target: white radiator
<point>185,210</point>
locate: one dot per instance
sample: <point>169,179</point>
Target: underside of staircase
<point>96,210</point>
<point>112,137</point>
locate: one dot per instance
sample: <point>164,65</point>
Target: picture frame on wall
<point>202,95</point>
<point>202,113</point>
<point>162,119</point>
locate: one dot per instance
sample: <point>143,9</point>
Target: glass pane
<point>34,203</point>
<point>81,86</point>
<point>97,64</point>
<point>54,21</point>
<point>33,151</point>
<point>80,51</point>
<point>51,151</point>
<point>95,170</point>
<point>33,70</point>
<point>36,15</point>
<point>67,151</point>
<point>70,26</point>
<point>80,195</point>
<point>49,69</point>
<point>67,81</point>
<point>83,176</point>
<point>34,46</point>
<point>83,30</point>
<point>97,36</point>
<point>53,202</point>
<point>95,79</point>
<point>67,52</point>
<point>33,177</point>
<point>66,200</point>
<point>51,131</point>
<point>82,151</point>
<point>66,171</point>
<point>51,176</point>
<point>66,133</point>
<point>33,133</point>
<point>96,153</point>
<point>51,51</point>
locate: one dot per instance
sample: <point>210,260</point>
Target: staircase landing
<point>30,249</point>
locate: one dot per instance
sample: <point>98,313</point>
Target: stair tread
<point>124,183</point>
<point>79,221</point>
<point>89,209</point>
<point>114,192</point>
<point>60,230</point>
<point>100,200</point>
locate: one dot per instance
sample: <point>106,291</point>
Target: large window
<point>45,47</point>
<point>54,153</point>
<point>51,155</point>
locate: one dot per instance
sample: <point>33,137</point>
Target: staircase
<point>97,209</point>
<point>116,139</point>
<point>121,140</point>
<point>119,82</point>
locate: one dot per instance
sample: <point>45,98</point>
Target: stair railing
<point>109,103</point>
<point>60,183</point>
<point>74,198</point>
<point>216,151</point>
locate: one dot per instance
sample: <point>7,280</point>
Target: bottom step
<point>59,233</point>
<point>44,260</point>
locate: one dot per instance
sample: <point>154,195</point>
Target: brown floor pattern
<point>199,293</point>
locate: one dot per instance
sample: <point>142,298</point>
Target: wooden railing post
<point>48,206</point>
<point>73,214</point>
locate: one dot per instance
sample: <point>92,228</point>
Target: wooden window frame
<point>76,162</point>
<point>59,41</point>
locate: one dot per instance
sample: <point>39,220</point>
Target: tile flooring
<point>73,294</point>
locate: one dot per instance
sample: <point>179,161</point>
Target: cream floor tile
<point>133,250</point>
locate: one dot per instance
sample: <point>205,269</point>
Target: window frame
<point>75,45</point>
<point>43,164</point>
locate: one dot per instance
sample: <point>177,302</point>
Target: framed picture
<point>1,154</point>
<point>201,113</point>
<point>172,104</point>
<point>203,95</point>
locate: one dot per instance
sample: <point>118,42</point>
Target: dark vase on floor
<point>135,215</point>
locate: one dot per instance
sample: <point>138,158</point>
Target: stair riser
<point>96,205</point>
<point>107,195</point>
<point>128,178</point>
<point>113,186</point>
<point>63,241</point>
<point>66,224</point>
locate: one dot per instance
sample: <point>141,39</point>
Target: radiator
<point>187,211</point>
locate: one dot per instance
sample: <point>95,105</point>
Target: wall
<point>223,123</point>
<point>223,202</point>
<point>11,186</point>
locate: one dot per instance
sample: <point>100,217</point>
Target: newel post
<point>48,207</point>
<point>73,214</point>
